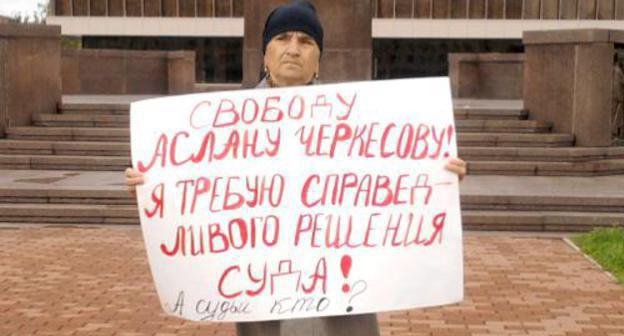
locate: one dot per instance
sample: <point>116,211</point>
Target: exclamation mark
<point>449,136</point>
<point>345,266</point>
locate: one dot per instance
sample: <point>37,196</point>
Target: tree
<point>37,16</point>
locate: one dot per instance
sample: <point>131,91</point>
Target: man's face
<point>292,58</point>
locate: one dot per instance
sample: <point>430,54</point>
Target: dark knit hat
<point>296,16</point>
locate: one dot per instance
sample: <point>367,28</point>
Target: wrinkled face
<point>292,58</point>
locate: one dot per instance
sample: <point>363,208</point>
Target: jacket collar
<point>264,84</point>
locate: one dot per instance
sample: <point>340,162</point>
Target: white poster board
<point>307,201</point>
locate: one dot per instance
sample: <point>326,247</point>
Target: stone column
<point>347,52</point>
<point>30,72</point>
<point>486,75</point>
<point>181,71</point>
<point>568,77</point>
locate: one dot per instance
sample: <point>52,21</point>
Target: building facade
<point>410,37</point>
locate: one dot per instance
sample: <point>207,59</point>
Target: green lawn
<point>606,246</point>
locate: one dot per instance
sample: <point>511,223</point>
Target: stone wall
<point>490,75</point>
<point>423,9</point>
<point>30,72</point>
<point>568,79</point>
<point>501,9</point>
<point>150,8</point>
<point>217,60</point>
<point>99,71</point>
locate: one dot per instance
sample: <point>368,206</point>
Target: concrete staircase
<point>65,198</point>
<point>542,203</point>
<point>66,169</point>
<point>494,136</point>
<point>515,203</point>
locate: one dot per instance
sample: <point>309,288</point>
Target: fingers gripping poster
<point>323,200</point>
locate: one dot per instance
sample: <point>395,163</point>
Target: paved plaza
<point>96,281</point>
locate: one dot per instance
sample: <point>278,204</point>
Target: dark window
<point>400,58</point>
<point>218,60</point>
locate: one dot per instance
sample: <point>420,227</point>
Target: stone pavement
<point>95,281</point>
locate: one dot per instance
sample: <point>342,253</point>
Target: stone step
<point>503,126</point>
<point>69,133</point>
<point>568,154</point>
<point>69,214</point>
<point>76,148</point>
<point>558,154</point>
<point>518,168</point>
<point>81,120</point>
<point>461,112</point>
<point>123,135</point>
<point>95,108</point>
<point>119,196</point>
<point>470,153</point>
<point>65,162</point>
<point>546,168</point>
<point>60,195</point>
<point>18,154</point>
<point>488,202</point>
<point>514,202</point>
<point>550,221</point>
<point>463,125</point>
<point>489,113</point>
<point>514,140</point>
